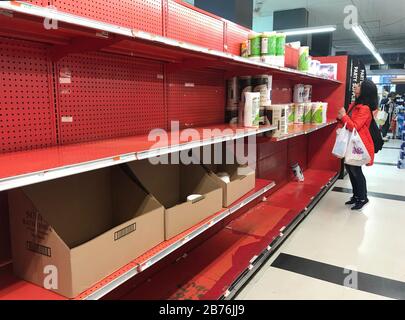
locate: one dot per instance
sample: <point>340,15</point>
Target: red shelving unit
<point>231,250</point>
<point>26,167</point>
<point>13,288</point>
<point>301,129</point>
<point>84,96</point>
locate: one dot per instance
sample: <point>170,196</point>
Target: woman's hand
<point>341,113</point>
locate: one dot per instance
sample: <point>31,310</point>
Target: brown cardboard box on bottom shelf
<point>171,184</point>
<point>70,233</point>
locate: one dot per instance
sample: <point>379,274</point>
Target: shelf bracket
<point>82,45</point>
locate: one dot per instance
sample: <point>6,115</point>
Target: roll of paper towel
<point>193,197</point>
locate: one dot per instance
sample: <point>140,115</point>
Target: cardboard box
<point>172,184</point>
<point>79,229</point>
<point>242,180</point>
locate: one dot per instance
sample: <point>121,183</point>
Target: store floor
<point>339,254</point>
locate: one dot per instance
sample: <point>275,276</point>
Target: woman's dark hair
<point>368,95</point>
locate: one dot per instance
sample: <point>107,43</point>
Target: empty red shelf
<point>209,269</point>
<point>301,129</point>
<point>26,167</point>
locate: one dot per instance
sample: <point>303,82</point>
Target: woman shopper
<point>359,117</point>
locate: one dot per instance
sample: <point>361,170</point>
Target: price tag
<point>67,119</point>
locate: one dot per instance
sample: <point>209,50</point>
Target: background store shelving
<point>127,75</point>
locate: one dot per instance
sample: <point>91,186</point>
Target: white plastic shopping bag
<point>381,118</point>
<point>356,154</point>
<point>342,141</point>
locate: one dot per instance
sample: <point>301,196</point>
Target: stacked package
<point>267,47</point>
<point>238,108</point>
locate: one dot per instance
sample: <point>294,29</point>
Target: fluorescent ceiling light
<point>358,30</point>
<point>295,32</point>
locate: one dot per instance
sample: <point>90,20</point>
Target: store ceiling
<point>382,20</point>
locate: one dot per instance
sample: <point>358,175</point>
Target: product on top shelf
<point>299,113</point>
<point>268,47</point>
<point>254,46</point>
<point>244,49</point>
<point>307,113</point>
<point>315,67</point>
<point>328,70</point>
<point>263,84</point>
<point>280,49</point>
<point>309,64</point>
<point>303,63</point>
<point>299,92</point>
<point>251,113</point>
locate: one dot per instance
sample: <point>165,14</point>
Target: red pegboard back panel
<point>235,35</point>
<point>274,167</point>
<point>188,25</point>
<point>5,248</point>
<point>145,15</point>
<point>282,92</point>
<point>196,98</point>
<point>110,96</point>
<point>298,153</point>
<point>39,2</point>
<point>27,110</point>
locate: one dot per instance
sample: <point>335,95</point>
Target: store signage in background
<point>356,74</point>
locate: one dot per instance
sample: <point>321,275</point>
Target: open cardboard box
<point>70,233</point>
<point>171,184</point>
<point>242,178</point>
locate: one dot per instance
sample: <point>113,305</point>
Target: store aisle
<point>339,254</point>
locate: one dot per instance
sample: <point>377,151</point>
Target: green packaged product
<point>291,114</point>
<point>308,113</point>
<point>317,113</point>
<point>254,45</point>
<point>269,43</point>
<point>280,45</point>
<point>299,113</point>
<point>303,62</point>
